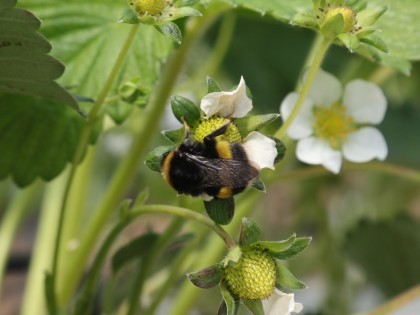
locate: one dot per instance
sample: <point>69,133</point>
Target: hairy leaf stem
<point>321,48</point>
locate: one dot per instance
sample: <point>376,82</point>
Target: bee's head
<point>191,146</point>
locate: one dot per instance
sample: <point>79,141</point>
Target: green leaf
<point>220,211</point>
<point>231,302</point>
<point>206,278</point>
<point>247,124</point>
<point>154,157</point>
<point>38,137</point>
<point>87,37</point>
<point>183,108</point>
<point>26,69</point>
<point>212,85</point>
<point>171,31</point>
<point>281,150</point>
<point>259,185</point>
<point>175,136</point>
<point>275,247</point>
<point>135,249</point>
<point>286,280</point>
<point>255,306</point>
<point>298,245</point>
<point>250,232</point>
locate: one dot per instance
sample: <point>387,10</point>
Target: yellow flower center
<point>151,7</point>
<point>333,124</point>
<point>349,17</point>
<point>253,276</point>
<point>207,126</point>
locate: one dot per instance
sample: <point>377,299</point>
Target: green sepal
<point>170,30</point>
<point>359,5</point>
<point>184,108</point>
<point>370,15</point>
<point>305,20</point>
<point>134,92</point>
<point>185,3</point>
<point>154,157</point>
<point>376,42</point>
<point>220,211</point>
<point>250,232</point>
<point>318,4</point>
<point>232,257</point>
<point>178,13</point>
<point>175,136</point>
<point>255,306</point>
<point>332,26</point>
<point>350,41</point>
<point>281,149</point>
<point>298,245</point>
<point>286,280</point>
<point>206,278</point>
<point>231,302</point>
<point>259,185</point>
<point>124,208</point>
<point>212,85</point>
<point>137,248</point>
<point>248,124</point>
<point>129,17</point>
<point>275,247</point>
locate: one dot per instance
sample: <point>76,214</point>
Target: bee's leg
<point>219,131</point>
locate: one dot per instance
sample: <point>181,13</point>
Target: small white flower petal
<point>304,121</point>
<point>316,151</point>
<point>281,303</point>
<point>228,104</point>
<point>364,145</point>
<point>365,102</point>
<point>260,150</point>
<point>326,89</point>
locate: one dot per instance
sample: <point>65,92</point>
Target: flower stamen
<point>207,126</point>
<point>333,124</point>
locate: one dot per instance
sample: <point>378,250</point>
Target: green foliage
<point>286,280</point>
<point>250,232</point>
<point>207,277</point>
<point>184,109</point>
<point>220,211</point>
<point>38,137</point>
<point>255,306</point>
<point>230,303</point>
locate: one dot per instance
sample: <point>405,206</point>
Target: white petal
<point>364,145</point>
<point>317,151</point>
<point>326,89</point>
<point>281,303</point>
<point>228,104</point>
<point>302,125</point>
<point>365,102</point>
<point>260,150</point>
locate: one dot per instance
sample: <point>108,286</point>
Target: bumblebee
<point>210,169</point>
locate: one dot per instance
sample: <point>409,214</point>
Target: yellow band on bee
<point>223,149</point>
<point>225,192</point>
<point>166,167</point>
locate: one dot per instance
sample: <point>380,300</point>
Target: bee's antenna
<point>186,127</point>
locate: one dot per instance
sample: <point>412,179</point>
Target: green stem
<point>124,173</point>
<point>41,259</point>
<point>380,167</point>
<point>83,142</point>
<point>318,57</point>
<point>145,266</point>
<point>11,221</point>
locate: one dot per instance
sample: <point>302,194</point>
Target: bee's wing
<point>224,172</point>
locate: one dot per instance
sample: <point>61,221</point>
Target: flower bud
<point>150,7</point>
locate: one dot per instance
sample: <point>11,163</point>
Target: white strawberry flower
<point>333,123</point>
<point>280,303</point>
<point>260,149</point>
